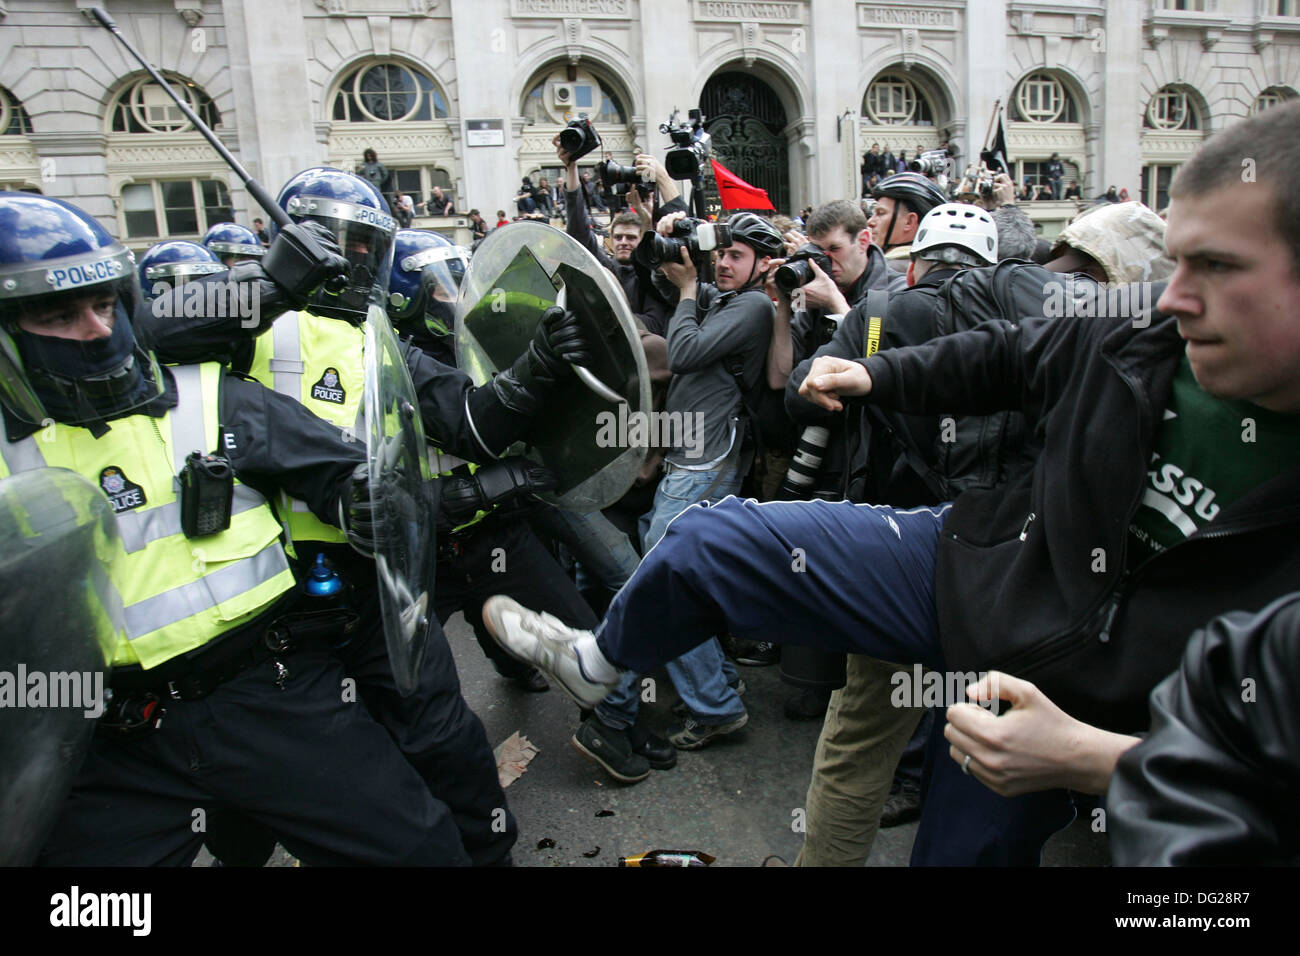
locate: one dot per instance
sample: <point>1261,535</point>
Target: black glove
<point>304,256</point>
<point>356,512</point>
<point>491,485</point>
<point>558,341</point>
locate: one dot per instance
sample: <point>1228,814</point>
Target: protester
<point>1024,559</point>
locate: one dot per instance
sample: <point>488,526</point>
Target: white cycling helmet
<point>958,225</point>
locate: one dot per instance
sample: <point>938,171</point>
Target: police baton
<point>263,198</point>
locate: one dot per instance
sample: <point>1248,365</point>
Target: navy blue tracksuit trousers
<point>837,576</point>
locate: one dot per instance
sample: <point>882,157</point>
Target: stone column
<point>277,118</point>
<point>833,40</point>
<point>486,63</point>
<point>667,59</point>
<point>985,71</point>
<point>1119,155</point>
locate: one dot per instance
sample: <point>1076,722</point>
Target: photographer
<point>838,235</point>
<point>717,342</point>
<point>649,304</point>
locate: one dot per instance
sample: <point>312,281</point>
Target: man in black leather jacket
<point>1218,780</point>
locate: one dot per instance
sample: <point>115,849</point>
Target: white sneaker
<point>546,643</point>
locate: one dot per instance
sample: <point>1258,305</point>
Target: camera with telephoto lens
<point>930,163</point>
<point>579,138</point>
<point>618,179</point>
<point>691,146</point>
<point>693,235</point>
<point>798,270</point>
<point>613,174</point>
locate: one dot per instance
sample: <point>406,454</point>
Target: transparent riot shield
<point>399,475</point>
<point>60,621</point>
<point>582,435</point>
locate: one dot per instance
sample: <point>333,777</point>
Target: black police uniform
<point>294,752</point>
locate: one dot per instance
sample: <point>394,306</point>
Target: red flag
<point>735,193</point>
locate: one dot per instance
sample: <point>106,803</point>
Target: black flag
<point>995,157</point>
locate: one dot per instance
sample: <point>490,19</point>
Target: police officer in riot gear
<point>167,265</point>
<point>253,724</point>
<point>231,243</point>
<point>422,290</point>
<point>427,270</point>
<point>316,356</point>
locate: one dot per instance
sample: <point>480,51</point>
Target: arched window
<point>1042,98</point>
<point>554,99</point>
<point>1271,97</point>
<point>14,120</point>
<point>145,107</point>
<point>388,92</point>
<point>1172,109</point>
<point>894,100</point>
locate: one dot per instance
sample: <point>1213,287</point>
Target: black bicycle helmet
<point>912,190</point>
<point>920,194</point>
<point>757,233</point>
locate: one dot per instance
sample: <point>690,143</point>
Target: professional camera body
<point>797,270</point>
<point>694,235</point>
<point>691,146</point>
<point>646,190</point>
<point>579,138</point>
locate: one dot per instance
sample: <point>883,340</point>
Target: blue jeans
<point>604,554</point>
<point>702,675</point>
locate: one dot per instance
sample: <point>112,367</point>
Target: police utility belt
<point>207,496</point>
<point>140,696</point>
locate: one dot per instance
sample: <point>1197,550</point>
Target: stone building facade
<point>467,94</point>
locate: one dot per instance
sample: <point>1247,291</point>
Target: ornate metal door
<point>745,119</point>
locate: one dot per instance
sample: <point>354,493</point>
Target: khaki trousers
<point>857,753</point>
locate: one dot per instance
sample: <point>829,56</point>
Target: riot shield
<point>404,516</point>
<point>516,273</point>
<point>60,620</point>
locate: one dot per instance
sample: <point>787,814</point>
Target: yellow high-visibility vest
<point>178,593</point>
<point>320,363</point>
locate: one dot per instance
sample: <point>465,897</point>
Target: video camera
<point>579,138</point>
<point>933,163</point>
<point>694,235</point>
<point>797,270</point>
<point>691,146</point>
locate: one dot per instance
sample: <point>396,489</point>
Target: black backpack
<point>970,451</point>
